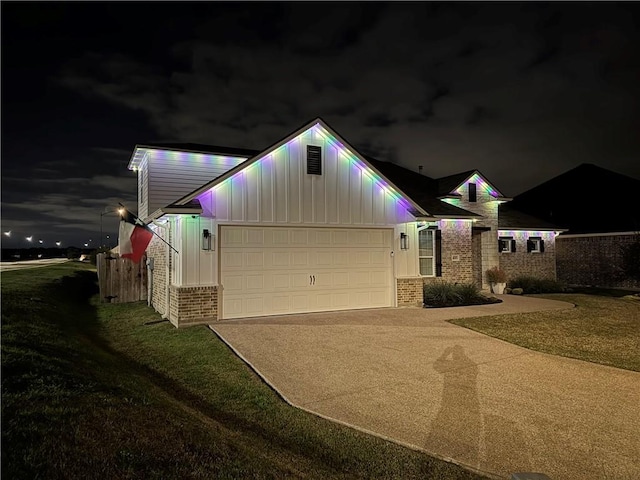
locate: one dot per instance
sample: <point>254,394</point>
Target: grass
<point>601,329</point>
<point>94,390</point>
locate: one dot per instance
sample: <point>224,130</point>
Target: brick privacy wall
<point>158,251</point>
<point>193,305</point>
<point>593,261</point>
<point>539,265</point>
<point>456,240</point>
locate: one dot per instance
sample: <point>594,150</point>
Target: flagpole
<point>138,218</point>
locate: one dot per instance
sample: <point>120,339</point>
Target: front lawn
<point>94,390</point>
<point>600,329</point>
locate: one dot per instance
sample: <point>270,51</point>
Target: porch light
<point>206,239</point>
<point>404,241</point>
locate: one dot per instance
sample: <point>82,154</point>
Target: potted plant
<point>497,279</point>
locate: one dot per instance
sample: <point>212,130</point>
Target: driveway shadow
<point>456,430</point>
<point>461,431</point>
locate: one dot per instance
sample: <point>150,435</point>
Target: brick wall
<point>487,206</point>
<point>158,251</point>
<point>193,305</point>
<point>457,263</point>
<point>520,262</point>
<point>593,260</point>
<point>409,291</point>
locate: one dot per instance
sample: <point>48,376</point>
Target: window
<point>426,251</point>
<point>506,245</point>
<point>535,245</point>
<point>473,194</point>
<point>314,160</point>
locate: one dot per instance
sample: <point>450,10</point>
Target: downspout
<point>149,281</point>
<point>166,228</point>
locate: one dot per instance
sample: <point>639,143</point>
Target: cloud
<point>453,86</point>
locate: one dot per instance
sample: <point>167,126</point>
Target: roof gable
<point>452,184</point>
<point>318,127</point>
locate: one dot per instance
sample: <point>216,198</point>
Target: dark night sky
<point>520,91</point>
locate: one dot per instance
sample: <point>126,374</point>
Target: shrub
<point>496,275</point>
<point>532,285</point>
<point>449,294</point>
<point>517,291</point>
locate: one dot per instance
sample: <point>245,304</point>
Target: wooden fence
<point>120,279</point>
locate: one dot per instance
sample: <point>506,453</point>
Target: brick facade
<point>457,262</point>
<point>409,291</point>
<point>158,251</point>
<point>593,260</point>
<point>521,262</point>
<point>193,305</point>
<point>487,206</point>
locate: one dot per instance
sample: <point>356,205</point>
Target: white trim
<point>608,234</point>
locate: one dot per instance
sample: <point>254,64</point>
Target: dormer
<point>472,191</point>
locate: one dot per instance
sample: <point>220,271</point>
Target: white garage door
<point>279,270</point>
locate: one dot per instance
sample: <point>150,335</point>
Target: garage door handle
<point>310,280</point>
<point>314,279</point>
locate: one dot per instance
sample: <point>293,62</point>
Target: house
<point>309,224</point>
<point>600,209</point>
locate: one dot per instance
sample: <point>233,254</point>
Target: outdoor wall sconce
<point>206,239</point>
<point>404,241</point>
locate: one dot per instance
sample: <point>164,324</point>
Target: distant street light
<point>86,244</point>
<point>40,241</point>
<point>119,211</point>
<point>58,244</point>
<point>7,234</point>
<point>29,238</point>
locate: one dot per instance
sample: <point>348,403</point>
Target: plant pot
<point>498,288</point>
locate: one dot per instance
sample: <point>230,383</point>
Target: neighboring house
<point>310,225</point>
<point>601,210</point>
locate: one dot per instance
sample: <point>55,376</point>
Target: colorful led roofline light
<point>529,233</point>
<point>479,181</point>
<point>366,171</point>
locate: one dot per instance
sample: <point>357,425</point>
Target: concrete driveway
<point>407,375</point>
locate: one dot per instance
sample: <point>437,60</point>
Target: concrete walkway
<point>407,375</point>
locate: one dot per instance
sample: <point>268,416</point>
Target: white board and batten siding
<point>166,176</point>
<point>278,190</point>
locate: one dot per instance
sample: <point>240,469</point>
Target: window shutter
<point>314,160</point>
<point>541,245</point>
<point>513,246</point>
<point>529,246</point>
<point>438,253</point>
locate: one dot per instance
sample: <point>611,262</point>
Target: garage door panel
<point>281,303</point>
<point>300,258</point>
<point>281,280</point>
<point>255,282</point>
<point>280,259</point>
<point>254,259</point>
<point>254,304</point>
<point>293,270</point>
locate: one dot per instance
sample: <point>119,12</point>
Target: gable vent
<point>314,160</point>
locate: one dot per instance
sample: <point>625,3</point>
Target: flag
<point>134,237</point>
